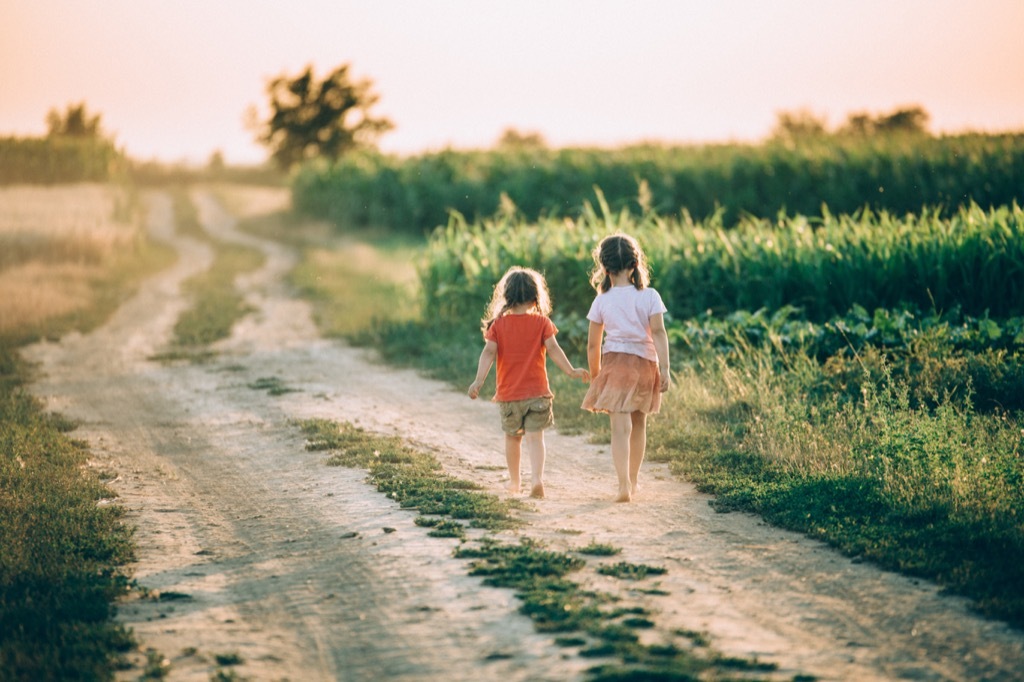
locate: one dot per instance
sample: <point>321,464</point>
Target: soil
<point>258,558</point>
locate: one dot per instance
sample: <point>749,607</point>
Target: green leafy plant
<point>628,571</point>
<point>599,549</point>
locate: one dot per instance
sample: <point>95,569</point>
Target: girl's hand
<point>580,373</point>
<point>474,389</point>
<point>666,379</point>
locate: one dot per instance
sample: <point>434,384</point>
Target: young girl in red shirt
<point>519,335</point>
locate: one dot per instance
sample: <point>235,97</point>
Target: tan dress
<point>626,383</point>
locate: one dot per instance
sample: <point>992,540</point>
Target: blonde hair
<point>517,286</point>
<point>614,254</point>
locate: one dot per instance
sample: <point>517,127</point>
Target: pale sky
<point>172,79</point>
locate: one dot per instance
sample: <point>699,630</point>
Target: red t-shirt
<point>522,358</point>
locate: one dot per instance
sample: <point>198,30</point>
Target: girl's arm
<point>660,337</point>
<point>558,355</point>
<point>487,356</point>
<point>594,348</point>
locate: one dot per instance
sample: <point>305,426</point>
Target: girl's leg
<point>538,453</point>
<point>622,427</point>
<point>637,448</point>
<point>513,453</point>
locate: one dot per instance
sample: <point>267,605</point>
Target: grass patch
<point>932,492</point>
<point>638,622</point>
<point>61,555</point>
<point>570,641</point>
<point>272,385</point>
<point>170,595</point>
<point>216,303</point>
<point>183,353</point>
<point>599,549</point>
<point>442,528</point>
<point>379,281</point>
<point>231,658</point>
<point>522,566</point>
<point>694,636</point>
<point>627,571</point>
<point>356,281</point>
<point>226,676</point>
<point>412,478</point>
<point>157,666</point>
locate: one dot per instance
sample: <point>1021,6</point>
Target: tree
<point>912,120</point>
<point>906,120</point>
<point>514,140</point>
<point>312,118</point>
<point>792,127</point>
<point>75,122</point>
<point>216,163</point>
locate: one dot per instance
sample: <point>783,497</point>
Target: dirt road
<point>266,556</point>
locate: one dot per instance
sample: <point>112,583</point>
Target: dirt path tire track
<point>231,510</point>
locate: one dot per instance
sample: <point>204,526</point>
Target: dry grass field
<point>57,245</point>
<point>247,201</point>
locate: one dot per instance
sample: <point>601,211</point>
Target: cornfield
<point>48,160</point>
<point>972,261</point>
<point>897,174</point>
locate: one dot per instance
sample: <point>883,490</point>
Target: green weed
<point>627,571</point>
<point>230,658</point>
<point>157,666</point>
<point>599,549</point>
<point>447,528</point>
<point>272,385</point>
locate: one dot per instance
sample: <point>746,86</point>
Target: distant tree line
<point>74,149</point>
<point>803,125</point>
<point>74,122</point>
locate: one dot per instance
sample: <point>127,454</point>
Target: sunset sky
<point>173,80</point>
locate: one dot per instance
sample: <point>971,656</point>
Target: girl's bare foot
<point>512,489</point>
<point>635,490</point>
<point>623,497</point>
<point>538,491</point>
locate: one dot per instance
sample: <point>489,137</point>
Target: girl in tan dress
<point>630,370</point>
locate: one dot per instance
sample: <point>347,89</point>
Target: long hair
<point>517,286</point>
<point>614,254</point>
